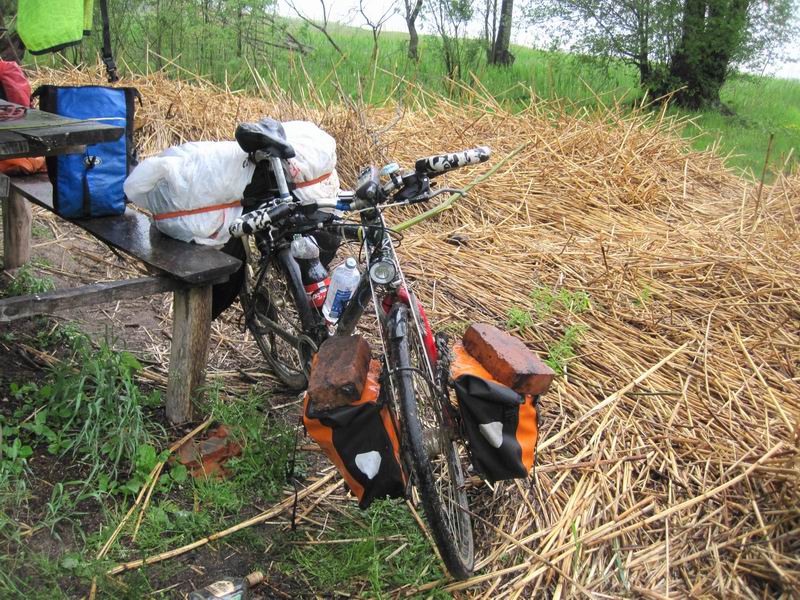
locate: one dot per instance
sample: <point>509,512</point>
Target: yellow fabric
<point>88,13</point>
<point>49,25</point>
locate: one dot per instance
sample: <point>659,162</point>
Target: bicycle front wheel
<point>431,445</point>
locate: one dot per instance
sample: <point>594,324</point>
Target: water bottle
<point>229,588</point>
<point>314,276</point>
<point>343,284</point>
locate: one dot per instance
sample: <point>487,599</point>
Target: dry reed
<point>668,459</point>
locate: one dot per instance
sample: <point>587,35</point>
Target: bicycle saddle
<point>267,135</point>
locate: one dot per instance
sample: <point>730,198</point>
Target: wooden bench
<point>187,270</point>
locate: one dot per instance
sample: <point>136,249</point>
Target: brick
<point>508,359</point>
<point>339,372</point>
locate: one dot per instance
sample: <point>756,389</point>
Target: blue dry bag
<point>90,184</point>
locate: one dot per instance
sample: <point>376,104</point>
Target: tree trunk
<point>500,54</point>
<point>412,12</point>
<point>711,31</point>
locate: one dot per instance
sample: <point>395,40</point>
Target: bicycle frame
<point>378,246</point>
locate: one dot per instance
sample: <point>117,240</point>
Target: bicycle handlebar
<point>262,218</point>
<point>441,163</point>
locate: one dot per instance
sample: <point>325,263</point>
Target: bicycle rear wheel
<point>438,459</point>
<point>270,314</point>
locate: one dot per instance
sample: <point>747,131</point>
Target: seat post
<point>277,169</point>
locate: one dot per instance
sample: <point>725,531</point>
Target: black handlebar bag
<point>90,184</point>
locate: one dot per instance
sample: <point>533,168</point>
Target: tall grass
<point>759,105</point>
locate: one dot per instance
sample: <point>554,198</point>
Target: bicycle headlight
<point>382,272</point>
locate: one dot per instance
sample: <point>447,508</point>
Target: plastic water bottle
<point>344,282</point>
<point>314,276</point>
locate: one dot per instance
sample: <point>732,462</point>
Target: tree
<point>376,23</point>
<point>413,8</point>
<point>450,18</point>
<point>323,28</point>
<point>685,45</point>
<point>498,53</point>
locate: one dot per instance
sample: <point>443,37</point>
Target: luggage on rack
<point>501,425</point>
<point>91,184</point>
<point>193,190</point>
<point>361,439</point>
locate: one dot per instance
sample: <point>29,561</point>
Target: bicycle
<point>415,363</point>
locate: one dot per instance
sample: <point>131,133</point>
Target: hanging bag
<point>501,425</point>
<point>91,184</point>
<point>361,440</point>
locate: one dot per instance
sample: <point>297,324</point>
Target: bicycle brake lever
<point>426,197</point>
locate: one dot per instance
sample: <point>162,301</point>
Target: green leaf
<point>25,451</point>
<point>179,473</point>
<point>129,361</point>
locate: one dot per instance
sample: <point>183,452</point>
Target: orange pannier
<point>501,425</point>
<point>361,439</point>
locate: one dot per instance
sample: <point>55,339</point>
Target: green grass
<point>369,554</point>
<point>761,105</point>
<point>26,281</point>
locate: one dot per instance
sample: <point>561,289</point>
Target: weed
<point>267,446</point>
<point>545,301</point>
<point>41,262</point>
<point>518,318</point>
<point>93,411</point>
<point>643,296</point>
<point>560,353</point>
<point>370,563</point>
<point>40,231</point>
<point>26,281</point>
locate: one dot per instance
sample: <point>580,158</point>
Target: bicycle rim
<point>436,458</point>
<point>268,305</point>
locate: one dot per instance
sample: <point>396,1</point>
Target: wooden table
<point>187,270</point>
<point>30,132</point>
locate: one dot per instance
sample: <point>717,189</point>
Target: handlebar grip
<point>259,219</point>
<point>440,163</point>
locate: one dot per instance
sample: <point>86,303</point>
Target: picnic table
<point>186,270</point>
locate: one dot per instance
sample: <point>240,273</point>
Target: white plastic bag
<point>193,190</point>
<point>313,169</point>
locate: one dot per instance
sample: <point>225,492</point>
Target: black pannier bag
<point>361,439</point>
<point>501,425</point>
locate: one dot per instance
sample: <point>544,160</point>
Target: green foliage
<point>267,446</point>
<point>560,353</point>
<point>40,231</point>
<point>643,296</point>
<point>26,281</point>
<point>367,562</point>
<point>545,301</point>
<point>518,318</point>
<point>95,414</point>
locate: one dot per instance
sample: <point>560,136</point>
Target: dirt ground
<point>142,326</point>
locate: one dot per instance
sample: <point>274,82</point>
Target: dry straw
<point>669,454</point>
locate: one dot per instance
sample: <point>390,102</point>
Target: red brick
<point>508,359</point>
<point>339,372</point>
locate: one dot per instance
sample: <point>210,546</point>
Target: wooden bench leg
<point>191,329</point>
<point>17,219</point>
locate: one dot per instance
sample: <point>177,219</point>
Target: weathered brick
<point>508,359</point>
<point>339,372</point>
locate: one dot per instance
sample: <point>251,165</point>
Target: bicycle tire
<point>439,481</point>
<point>265,298</point>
